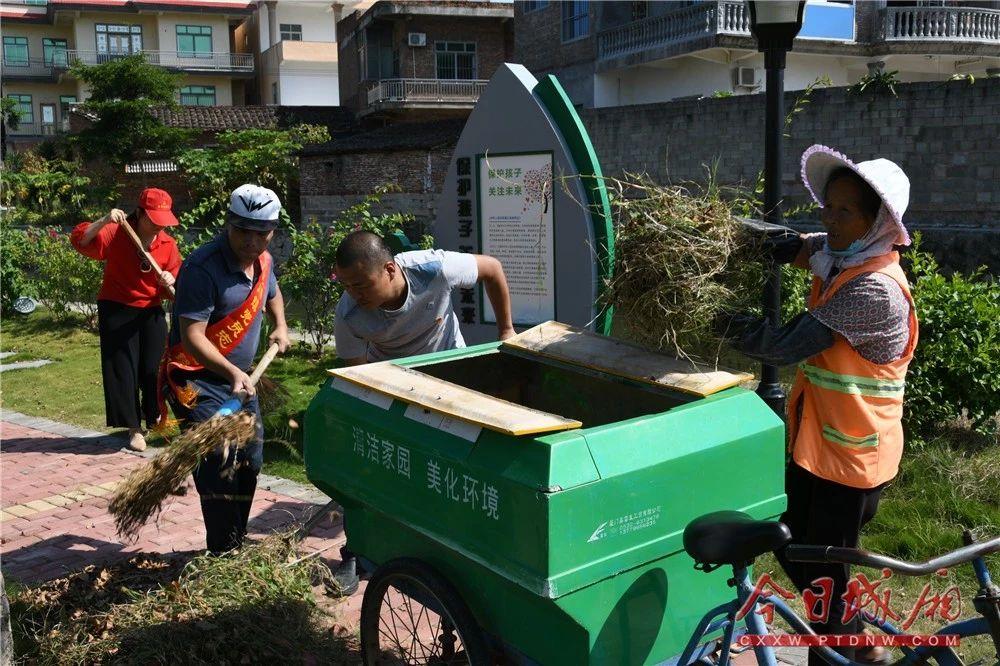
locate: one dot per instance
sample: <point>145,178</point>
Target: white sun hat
<point>885,177</point>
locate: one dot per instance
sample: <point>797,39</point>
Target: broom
<point>138,243</point>
<point>141,494</point>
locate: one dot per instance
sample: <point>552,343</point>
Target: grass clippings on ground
<point>254,605</point>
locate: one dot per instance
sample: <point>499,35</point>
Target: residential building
<point>294,43</point>
<point>41,39</point>
<point>415,61</point>
<point>625,53</point>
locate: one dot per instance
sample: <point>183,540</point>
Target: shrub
<point>65,278</point>
<point>43,192</point>
<point>955,366</point>
<point>308,276</point>
<point>15,267</point>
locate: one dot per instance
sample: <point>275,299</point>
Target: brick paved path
<point>55,484</point>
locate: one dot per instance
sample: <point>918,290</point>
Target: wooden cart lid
<point>577,346</point>
<point>415,387</point>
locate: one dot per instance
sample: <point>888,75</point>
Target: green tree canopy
<point>123,92</point>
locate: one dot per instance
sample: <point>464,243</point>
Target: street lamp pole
<point>774,23</point>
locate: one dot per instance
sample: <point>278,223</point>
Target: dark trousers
<point>822,512</point>
<point>132,344</point>
<point>226,485</point>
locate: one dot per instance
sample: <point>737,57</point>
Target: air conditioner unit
<point>416,39</point>
<point>746,77</point>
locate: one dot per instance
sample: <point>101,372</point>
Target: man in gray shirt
<point>401,306</point>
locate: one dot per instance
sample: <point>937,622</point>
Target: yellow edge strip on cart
<point>568,424</point>
<point>738,378</point>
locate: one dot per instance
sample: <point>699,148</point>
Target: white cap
<point>256,206</point>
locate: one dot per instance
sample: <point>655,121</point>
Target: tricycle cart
<point>525,501</point>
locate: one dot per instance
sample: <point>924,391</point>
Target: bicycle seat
<point>733,538</point>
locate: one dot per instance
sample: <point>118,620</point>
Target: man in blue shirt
<point>216,285</point>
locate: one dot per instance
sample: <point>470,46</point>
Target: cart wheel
<point>412,615</point>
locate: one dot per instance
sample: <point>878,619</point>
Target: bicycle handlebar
<point>838,555</point>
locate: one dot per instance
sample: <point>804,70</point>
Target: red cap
<point>157,203</point>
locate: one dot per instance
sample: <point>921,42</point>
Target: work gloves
<point>781,244</point>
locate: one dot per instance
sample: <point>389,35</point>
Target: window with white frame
<point>118,39</point>
<point>15,51</point>
<point>274,93</point>
<point>575,19</point>
<point>198,96</point>
<point>291,32</point>
<point>455,60</point>
<point>24,108</point>
<point>194,41</point>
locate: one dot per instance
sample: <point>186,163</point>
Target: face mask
<point>851,250</point>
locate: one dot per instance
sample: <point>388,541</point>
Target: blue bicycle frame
<point>724,618</point>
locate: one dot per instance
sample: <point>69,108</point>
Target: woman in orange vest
<point>852,348</point>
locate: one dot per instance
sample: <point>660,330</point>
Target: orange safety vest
<point>850,427</point>
<point>224,334</point>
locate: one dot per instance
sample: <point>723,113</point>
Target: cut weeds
<point>255,605</point>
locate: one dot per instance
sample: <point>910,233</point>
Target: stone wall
<point>331,183</point>
<point>943,134</point>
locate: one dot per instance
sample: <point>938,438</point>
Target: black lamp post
<point>774,23</point>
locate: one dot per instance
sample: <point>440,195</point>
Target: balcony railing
<point>964,24</point>
<point>37,129</point>
<point>16,69</point>
<point>214,62</point>
<point>709,18</point>
<point>444,91</point>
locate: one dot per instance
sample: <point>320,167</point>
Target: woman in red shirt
<point>131,321</point>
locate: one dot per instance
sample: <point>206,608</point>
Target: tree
<point>123,93</point>
<point>263,157</point>
<point>10,117</point>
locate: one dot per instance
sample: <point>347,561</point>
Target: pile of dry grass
<point>254,605</point>
<point>141,494</point>
<point>681,259</point>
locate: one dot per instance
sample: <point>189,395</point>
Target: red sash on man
<point>225,334</point>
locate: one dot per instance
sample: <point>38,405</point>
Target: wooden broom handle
<point>138,243</point>
<point>265,361</point>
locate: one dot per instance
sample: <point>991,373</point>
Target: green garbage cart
<point>524,502</point>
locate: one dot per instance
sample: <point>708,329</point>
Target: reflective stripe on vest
<point>831,434</point>
<point>852,384</point>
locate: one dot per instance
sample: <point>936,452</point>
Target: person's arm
<point>200,347</point>
<point>115,215</point>
<point>168,274</point>
<point>276,310</point>
<point>492,276</point>
<point>352,349</point>
<point>91,239</point>
<point>802,337</point>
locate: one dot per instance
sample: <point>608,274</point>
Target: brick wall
<point>420,62</point>
<point>943,134</point>
<point>538,46</point>
<point>493,38</point>
<point>332,183</point>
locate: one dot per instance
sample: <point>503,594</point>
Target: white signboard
<point>515,212</point>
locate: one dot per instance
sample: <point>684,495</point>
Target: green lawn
<point>70,389</point>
